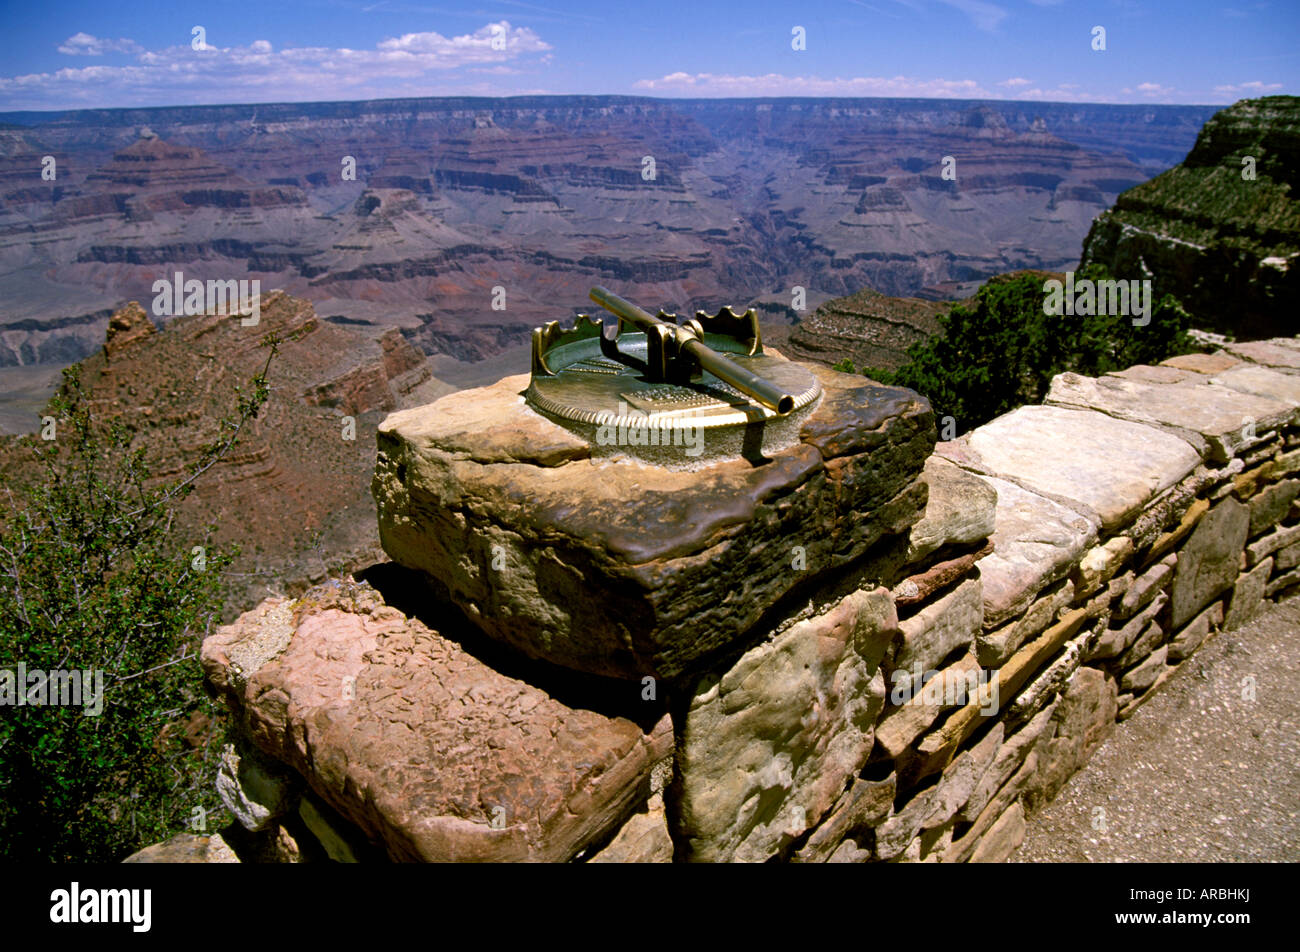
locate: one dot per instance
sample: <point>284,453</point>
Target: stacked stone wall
<point>952,634</point>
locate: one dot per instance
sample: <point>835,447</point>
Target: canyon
<point>411,214</point>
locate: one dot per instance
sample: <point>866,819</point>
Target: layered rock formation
<point>545,197</point>
<point>1222,226</point>
<point>910,688</point>
<point>299,474</point>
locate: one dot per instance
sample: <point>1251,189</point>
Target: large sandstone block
<point>1036,543</point>
<point>430,752</point>
<point>960,511</point>
<point>1207,415</point>
<point>939,629</point>
<point>1277,353</point>
<point>1248,595</point>
<point>1084,718</point>
<point>1107,468</point>
<point>765,751</point>
<point>1209,560</point>
<point>624,569</point>
<point>1270,506</point>
<point>1283,387</point>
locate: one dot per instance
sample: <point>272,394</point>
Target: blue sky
<point>69,55</point>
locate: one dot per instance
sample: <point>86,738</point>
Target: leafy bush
<point>1003,351</point>
<point>94,576</point>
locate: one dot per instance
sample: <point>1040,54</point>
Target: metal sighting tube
<point>764,391</point>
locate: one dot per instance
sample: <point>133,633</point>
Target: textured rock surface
<point>901,725</point>
<point>864,805</point>
<point>1206,415</point>
<point>960,510</point>
<point>1194,633</point>
<point>1247,595</point>
<point>940,628</point>
<point>917,589</point>
<point>765,751</point>
<point>1035,544</point>
<point>1010,757</point>
<point>1145,587</point>
<point>1002,838</point>
<point>1264,382</point>
<point>1208,562</point>
<point>1116,641</point>
<point>432,753</point>
<point>643,839</point>
<point>186,848</point>
<point>622,569</point>
<point>1084,718</point>
<point>1270,505</point>
<point>962,775</point>
<point>125,327</point>
<point>253,788</point>
<point>1100,563</point>
<point>1103,466</point>
<point>993,648</point>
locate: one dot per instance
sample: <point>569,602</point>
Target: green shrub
<point>94,576</point>
<point>1003,351</point>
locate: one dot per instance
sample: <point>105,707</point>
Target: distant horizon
<point>631,96</point>
<point>79,55</point>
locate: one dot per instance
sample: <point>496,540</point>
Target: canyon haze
<point>544,197</point>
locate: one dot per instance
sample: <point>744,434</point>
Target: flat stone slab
<point>1272,353</point>
<point>621,568</point>
<point>1036,542</point>
<point>1203,363</point>
<point>1263,382</point>
<point>1210,416</point>
<point>1103,467</point>
<point>432,753</point>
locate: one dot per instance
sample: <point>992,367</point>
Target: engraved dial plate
<point>591,388</point>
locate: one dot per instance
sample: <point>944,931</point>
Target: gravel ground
<point>1199,773</point>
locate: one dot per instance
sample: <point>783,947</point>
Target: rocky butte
<point>1224,225</point>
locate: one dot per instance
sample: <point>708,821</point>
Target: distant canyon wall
<point>546,196</point>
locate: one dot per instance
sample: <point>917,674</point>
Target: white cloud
<point>777,84</point>
<point>1149,89</point>
<point>1065,92</point>
<point>414,64</point>
<point>83,44</point>
<point>1015,81</point>
<point>1254,88</point>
